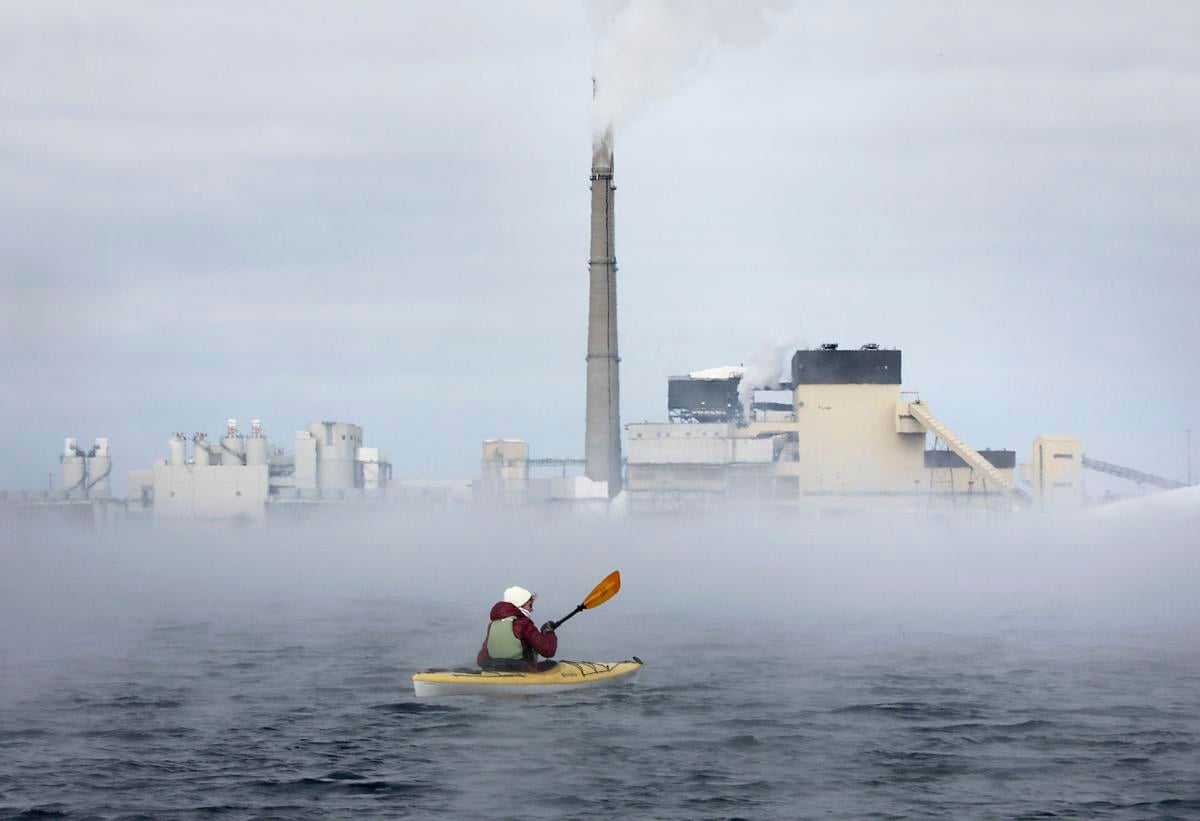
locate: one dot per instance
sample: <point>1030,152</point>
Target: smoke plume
<point>647,50</point>
<point>765,368</point>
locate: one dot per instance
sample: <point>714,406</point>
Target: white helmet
<point>517,596</point>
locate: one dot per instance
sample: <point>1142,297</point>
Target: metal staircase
<point>981,466</point>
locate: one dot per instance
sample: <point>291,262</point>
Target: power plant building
<point>839,437</point>
<point>848,439</point>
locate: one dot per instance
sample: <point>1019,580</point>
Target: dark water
<point>291,710</point>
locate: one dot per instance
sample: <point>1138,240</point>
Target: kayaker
<point>513,641</point>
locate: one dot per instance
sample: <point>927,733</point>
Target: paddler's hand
<point>548,627</point>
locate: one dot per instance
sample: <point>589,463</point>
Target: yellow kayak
<point>566,675</point>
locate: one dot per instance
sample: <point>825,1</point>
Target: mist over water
<point>794,667</point>
<point>198,208</point>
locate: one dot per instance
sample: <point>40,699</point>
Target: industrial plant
<point>239,475</point>
<point>838,435</point>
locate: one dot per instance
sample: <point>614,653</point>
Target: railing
<point>965,452</point>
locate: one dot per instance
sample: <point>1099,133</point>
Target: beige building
<point>1056,472</point>
<point>505,479</point>
<point>851,443</point>
<point>849,440</point>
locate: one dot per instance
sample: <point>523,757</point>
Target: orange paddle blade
<point>604,591</point>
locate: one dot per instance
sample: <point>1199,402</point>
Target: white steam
<point>647,50</point>
<point>765,368</point>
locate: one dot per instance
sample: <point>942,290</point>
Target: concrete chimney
<point>602,449</point>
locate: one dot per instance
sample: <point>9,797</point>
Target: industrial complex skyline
<point>380,214</point>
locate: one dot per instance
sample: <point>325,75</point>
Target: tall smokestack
<point>602,448</point>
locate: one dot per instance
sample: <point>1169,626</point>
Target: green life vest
<point>502,643</point>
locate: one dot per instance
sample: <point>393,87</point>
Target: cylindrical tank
<point>233,451</point>
<point>177,450</point>
<point>233,448</point>
<point>256,446</point>
<point>74,468</point>
<point>336,445</point>
<point>202,454</point>
<point>99,469</point>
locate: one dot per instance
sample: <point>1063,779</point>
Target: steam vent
<point>602,448</point>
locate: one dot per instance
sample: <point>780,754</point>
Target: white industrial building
<point>244,476</point>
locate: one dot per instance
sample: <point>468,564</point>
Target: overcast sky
<point>377,212</point>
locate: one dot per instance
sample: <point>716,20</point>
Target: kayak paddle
<point>599,595</point>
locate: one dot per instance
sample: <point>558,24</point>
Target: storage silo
<point>336,444</point>
<point>233,448</point>
<point>99,470</point>
<point>202,451</point>
<point>74,469</point>
<point>256,446</point>
<point>177,450</point>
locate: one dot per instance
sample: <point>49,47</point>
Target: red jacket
<point>532,639</point>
